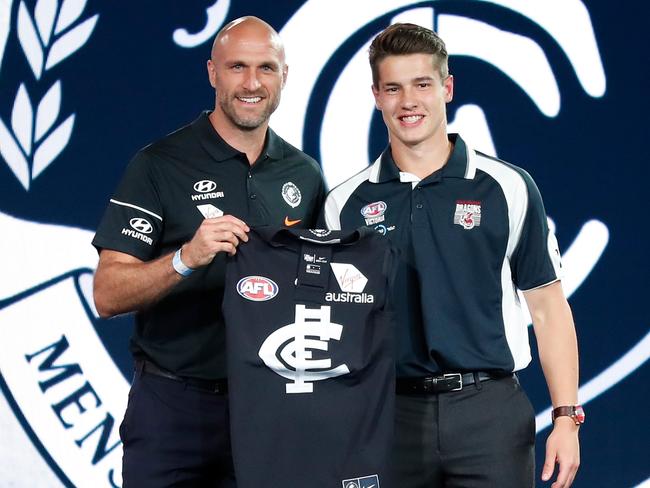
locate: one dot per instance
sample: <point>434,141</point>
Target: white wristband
<point>179,266</point>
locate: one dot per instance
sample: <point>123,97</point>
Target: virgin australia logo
<point>352,282</point>
<point>287,350</point>
<point>34,139</point>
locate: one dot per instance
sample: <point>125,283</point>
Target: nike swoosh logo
<point>289,223</point>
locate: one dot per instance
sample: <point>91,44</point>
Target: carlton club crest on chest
<point>467,214</point>
<point>291,194</point>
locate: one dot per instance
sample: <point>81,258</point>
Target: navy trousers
<point>480,437</point>
<point>175,435</point>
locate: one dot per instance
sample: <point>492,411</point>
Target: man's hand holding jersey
<point>125,283</point>
<point>220,234</point>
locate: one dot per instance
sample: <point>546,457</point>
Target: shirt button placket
<point>418,215</point>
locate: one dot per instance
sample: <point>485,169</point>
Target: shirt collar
<point>292,238</point>
<point>460,164</point>
<point>220,150</point>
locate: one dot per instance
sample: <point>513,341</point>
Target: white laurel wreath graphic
<point>48,38</point>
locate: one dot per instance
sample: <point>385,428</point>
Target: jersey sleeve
<point>330,217</point>
<point>133,220</point>
<point>536,260</point>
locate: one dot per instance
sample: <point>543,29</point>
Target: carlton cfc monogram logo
<point>291,344</point>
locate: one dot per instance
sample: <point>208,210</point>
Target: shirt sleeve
<point>133,220</point>
<point>314,220</point>
<point>536,260</point>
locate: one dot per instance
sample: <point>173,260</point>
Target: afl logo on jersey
<point>257,288</point>
<point>374,212</point>
<point>141,225</point>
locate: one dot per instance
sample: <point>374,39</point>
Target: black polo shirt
<point>168,189</point>
<point>470,235</point>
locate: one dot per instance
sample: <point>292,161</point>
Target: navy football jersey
<point>310,359</point>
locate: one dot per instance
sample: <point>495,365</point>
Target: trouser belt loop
<point>477,381</point>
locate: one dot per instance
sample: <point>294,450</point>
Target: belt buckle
<point>458,376</point>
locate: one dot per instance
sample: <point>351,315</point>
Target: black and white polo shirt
<point>470,235</point>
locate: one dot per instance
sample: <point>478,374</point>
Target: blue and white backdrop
<point>556,86</point>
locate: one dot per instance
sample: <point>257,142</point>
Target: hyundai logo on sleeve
<point>141,225</point>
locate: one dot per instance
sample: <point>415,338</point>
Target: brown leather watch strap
<point>576,412</point>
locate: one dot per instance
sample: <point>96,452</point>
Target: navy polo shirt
<point>168,189</point>
<point>470,235</point>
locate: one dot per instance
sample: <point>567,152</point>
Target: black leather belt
<point>443,383</point>
<point>212,386</point>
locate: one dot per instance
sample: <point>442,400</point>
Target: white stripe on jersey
<point>516,195</point>
<point>117,202</point>
<point>338,197</point>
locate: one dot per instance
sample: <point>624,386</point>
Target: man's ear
<point>375,93</point>
<point>212,73</point>
<point>448,87</point>
<point>285,73</point>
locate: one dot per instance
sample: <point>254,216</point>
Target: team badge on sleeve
<point>468,214</point>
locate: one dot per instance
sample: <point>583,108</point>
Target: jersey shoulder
<point>338,197</point>
<point>503,171</point>
<point>292,153</point>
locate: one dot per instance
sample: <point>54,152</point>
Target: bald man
<point>185,203</point>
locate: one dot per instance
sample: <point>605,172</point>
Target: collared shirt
<point>470,235</point>
<point>168,189</point>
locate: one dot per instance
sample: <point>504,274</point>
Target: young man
<point>185,202</point>
<point>472,230</point>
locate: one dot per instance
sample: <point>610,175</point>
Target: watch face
<point>579,414</point>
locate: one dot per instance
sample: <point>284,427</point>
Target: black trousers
<point>175,435</point>
<point>480,437</point>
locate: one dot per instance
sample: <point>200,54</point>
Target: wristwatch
<point>576,412</point>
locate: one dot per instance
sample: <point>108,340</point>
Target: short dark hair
<point>399,39</point>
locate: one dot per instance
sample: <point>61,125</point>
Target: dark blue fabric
<point>175,435</point>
